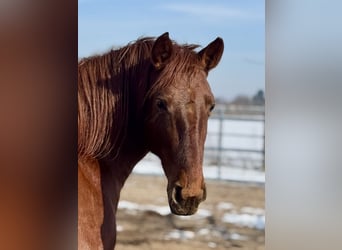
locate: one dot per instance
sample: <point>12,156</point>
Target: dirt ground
<point>148,229</point>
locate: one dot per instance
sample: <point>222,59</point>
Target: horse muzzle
<point>185,201</point>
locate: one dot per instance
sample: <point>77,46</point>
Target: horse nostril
<point>178,194</point>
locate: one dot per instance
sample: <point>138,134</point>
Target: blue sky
<point>103,24</point>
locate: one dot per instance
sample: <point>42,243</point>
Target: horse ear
<point>161,51</point>
<point>211,55</point>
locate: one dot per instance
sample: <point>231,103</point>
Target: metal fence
<point>235,141</point>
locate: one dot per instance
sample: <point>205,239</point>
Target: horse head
<point>178,106</point>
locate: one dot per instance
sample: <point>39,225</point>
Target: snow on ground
<point>180,234</point>
<point>152,165</point>
<point>245,217</point>
<point>225,206</point>
<point>245,220</point>
<point>134,208</point>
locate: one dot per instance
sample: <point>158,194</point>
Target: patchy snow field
<point>232,217</point>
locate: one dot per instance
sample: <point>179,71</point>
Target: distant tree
<point>259,98</point>
<point>241,100</point>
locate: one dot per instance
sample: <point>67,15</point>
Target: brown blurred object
<point>38,181</point>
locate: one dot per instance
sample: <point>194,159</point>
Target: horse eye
<point>212,107</point>
<point>161,104</point>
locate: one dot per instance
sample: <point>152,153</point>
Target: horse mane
<point>104,85</point>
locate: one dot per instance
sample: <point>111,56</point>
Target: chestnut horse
<point>149,96</point>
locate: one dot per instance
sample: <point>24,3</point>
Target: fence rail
<point>236,141</point>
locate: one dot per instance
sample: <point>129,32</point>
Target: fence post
<point>263,149</point>
<point>220,149</point>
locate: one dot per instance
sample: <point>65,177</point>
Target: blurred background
<point>233,215</point>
